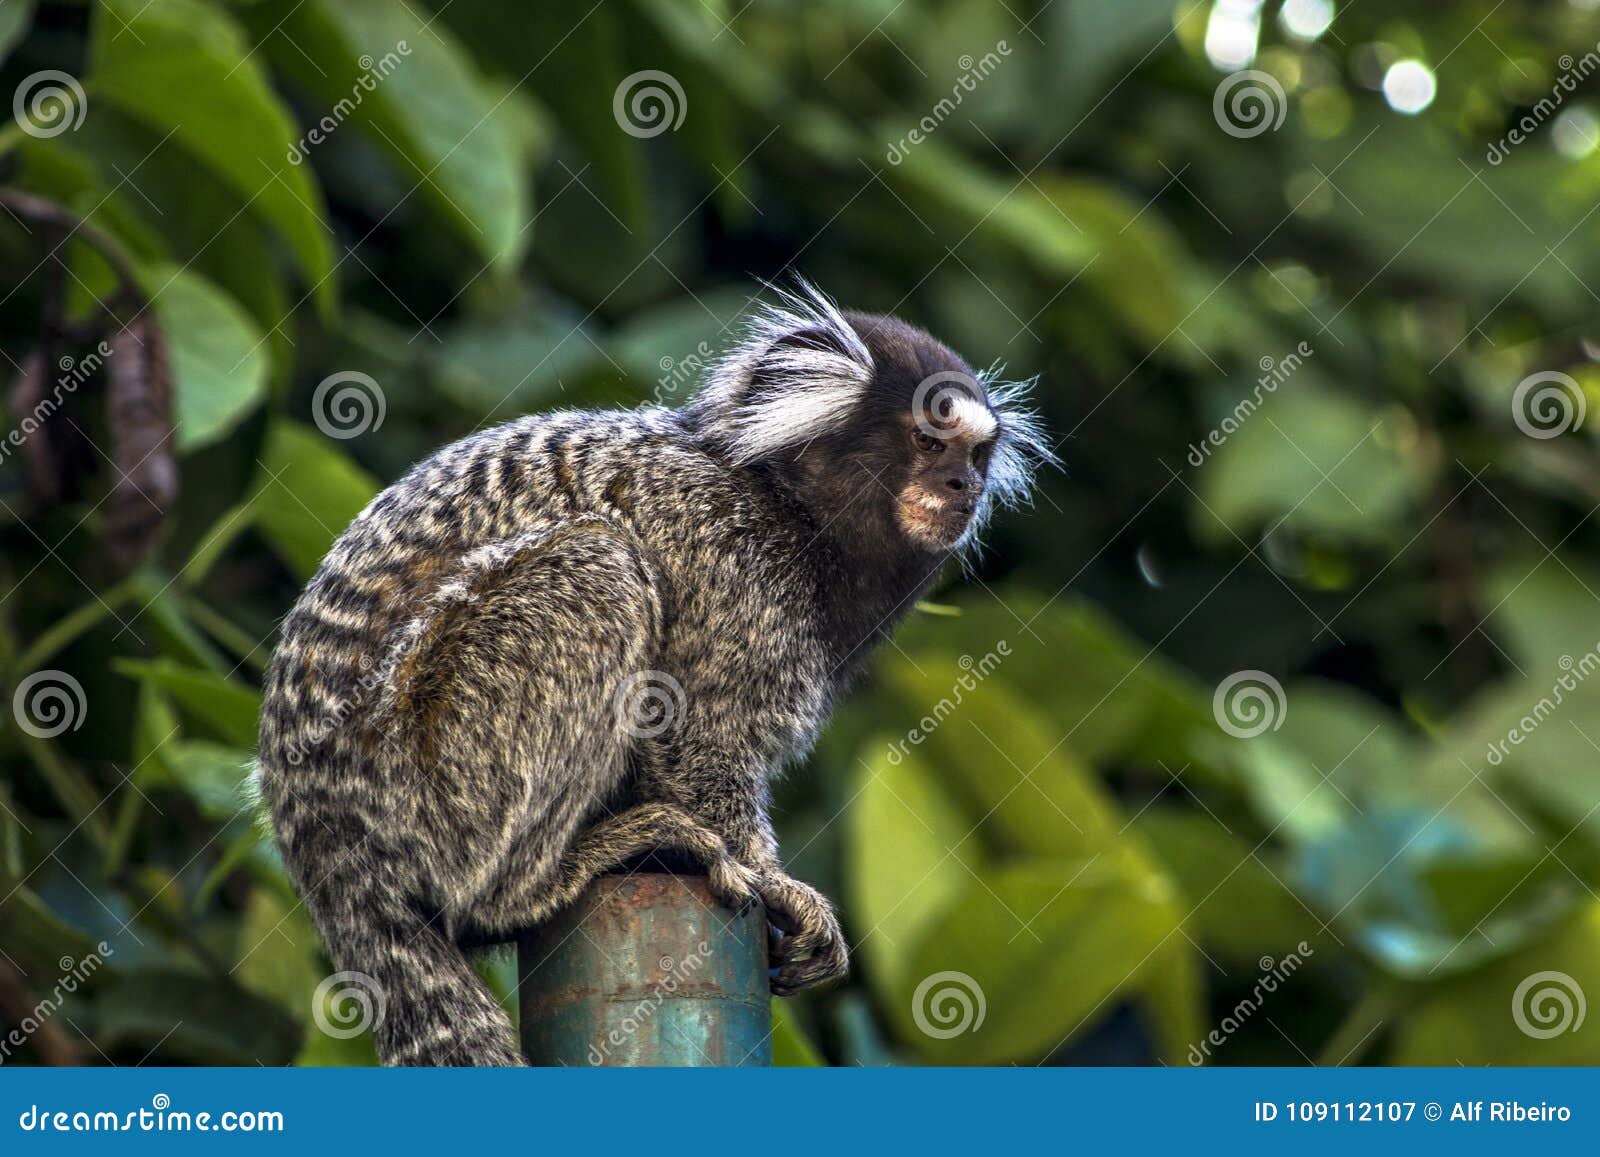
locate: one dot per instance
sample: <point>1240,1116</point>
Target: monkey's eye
<point>926,442</point>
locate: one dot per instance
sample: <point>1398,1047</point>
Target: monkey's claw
<point>733,884</point>
<point>811,948</point>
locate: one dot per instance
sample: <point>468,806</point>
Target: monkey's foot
<point>812,949</point>
<point>733,884</point>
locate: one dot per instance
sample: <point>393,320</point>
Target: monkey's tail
<point>425,1001</point>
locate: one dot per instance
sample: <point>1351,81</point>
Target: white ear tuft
<point>799,370</point>
<point>1023,445</point>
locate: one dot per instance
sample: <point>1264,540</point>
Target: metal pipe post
<point>647,969</point>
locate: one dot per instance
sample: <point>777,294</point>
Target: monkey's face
<point>948,434</point>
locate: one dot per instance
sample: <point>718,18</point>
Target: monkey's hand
<point>812,949</point>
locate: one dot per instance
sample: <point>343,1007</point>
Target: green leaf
<point>576,71</point>
<point>415,92</point>
<point>278,955</point>
<point>790,1046</point>
<point>1484,1018</point>
<point>517,361</point>
<point>212,774</point>
<point>1049,945</point>
<point>307,494</point>
<point>219,358</point>
<point>1240,909</point>
<point>15,16</point>
<point>185,69</point>
<point>228,707</point>
<point>36,937</point>
<point>1309,458</point>
<point>193,1019</point>
<point>910,856</point>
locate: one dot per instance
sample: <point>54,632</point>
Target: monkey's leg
<point>502,741</point>
<point>524,900</point>
<point>424,1001</point>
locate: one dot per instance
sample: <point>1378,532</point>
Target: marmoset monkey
<point>580,637</point>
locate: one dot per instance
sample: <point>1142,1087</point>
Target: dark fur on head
<point>892,440</point>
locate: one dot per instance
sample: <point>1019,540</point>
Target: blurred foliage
<point>1032,788</point>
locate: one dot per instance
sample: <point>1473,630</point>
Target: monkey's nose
<point>956,482</point>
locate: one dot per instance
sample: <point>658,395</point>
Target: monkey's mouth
<point>932,522</point>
